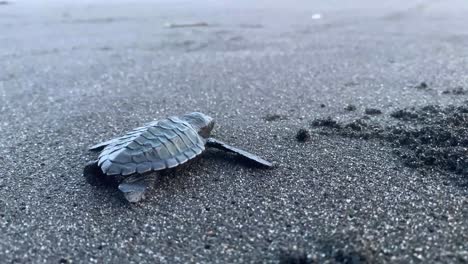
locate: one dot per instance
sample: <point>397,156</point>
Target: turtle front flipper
<point>214,143</point>
<point>102,145</point>
<point>135,187</point>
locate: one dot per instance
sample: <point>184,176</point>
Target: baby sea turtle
<point>158,145</point>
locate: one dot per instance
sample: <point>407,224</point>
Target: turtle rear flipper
<point>135,187</point>
<point>214,143</point>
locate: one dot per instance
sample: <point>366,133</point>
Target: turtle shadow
<point>178,173</point>
<point>95,177</point>
<point>104,185</point>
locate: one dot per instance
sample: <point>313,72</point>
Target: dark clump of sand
<point>329,122</point>
<point>372,111</point>
<point>404,114</point>
<point>274,117</point>
<point>348,248</point>
<point>429,136</point>
<point>345,246</point>
<point>294,257</point>
<point>422,85</point>
<point>455,91</point>
<point>303,135</point>
<point>350,108</point>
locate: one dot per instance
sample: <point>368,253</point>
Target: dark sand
<point>388,187</point>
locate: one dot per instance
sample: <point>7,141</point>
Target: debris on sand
<point>329,122</point>
<point>341,247</point>
<point>303,135</point>
<point>65,260</point>
<point>457,91</point>
<point>350,108</point>
<point>323,105</point>
<point>357,125</point>
<point>422,86</point>
<point>351,83</point>
<point>180,25</point>
<point>274,117</point>
<point>404,114</point>
<point>432,135</point>
<point>347,246</point>
<point>5,2</point>
<point>294,257</point>
<point>372,111</point>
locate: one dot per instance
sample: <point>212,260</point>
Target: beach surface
<point>380,88</point>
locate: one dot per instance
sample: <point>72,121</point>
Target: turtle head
<point>200,122</point>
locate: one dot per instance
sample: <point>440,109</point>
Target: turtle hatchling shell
<point>158,145</point>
